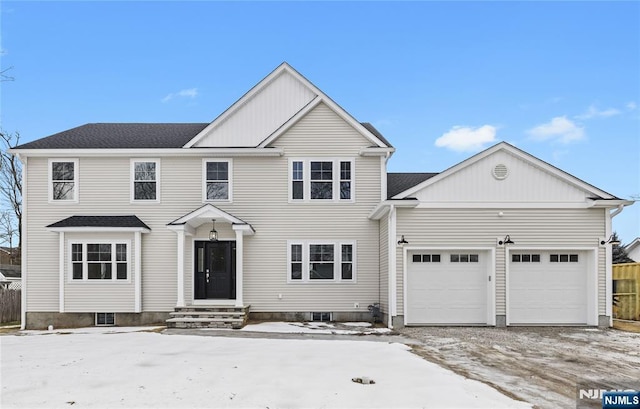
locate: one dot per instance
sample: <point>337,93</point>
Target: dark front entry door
<point>215,270</point>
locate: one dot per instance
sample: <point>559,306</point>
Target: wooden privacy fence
<point>9,305</point>
<point>626,291</point>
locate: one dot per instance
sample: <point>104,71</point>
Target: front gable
<point>268,110</point>
<point>506,176</point>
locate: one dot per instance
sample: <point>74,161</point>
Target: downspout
<point>23,250</point>
<point>608,263</point>
<point>391,285</point>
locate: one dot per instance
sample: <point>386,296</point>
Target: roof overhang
<point>609,203</point>
<point>376,151</point>
<point>192,220</point>
<point>93,223</point>
<point>217,152</point>
<point>383,207</point>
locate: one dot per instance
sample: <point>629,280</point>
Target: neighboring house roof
<point>399,182</point>
<point>119,136</point>
<point>100,221</point>
<point>10,271</point>
<point>633,249</point>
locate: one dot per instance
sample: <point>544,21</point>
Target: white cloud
<point>559,129</point>
<point>631,105</point>
<point>184,93</point>
<point>593,112</point>
<point>463,139</point>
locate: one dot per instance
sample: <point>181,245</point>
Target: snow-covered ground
<point>118,368</point>
<point>347,328</point>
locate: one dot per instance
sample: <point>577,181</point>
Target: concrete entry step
<point>223,316</point>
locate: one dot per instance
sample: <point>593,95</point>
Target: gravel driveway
<point>540,365</point>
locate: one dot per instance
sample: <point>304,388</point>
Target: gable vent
<point>500,171</point>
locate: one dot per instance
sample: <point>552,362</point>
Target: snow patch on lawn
<point>315,328</point>
<point>145,369</point>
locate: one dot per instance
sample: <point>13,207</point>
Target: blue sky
<point>440,80</point>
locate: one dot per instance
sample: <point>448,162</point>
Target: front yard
<point>98,367</point>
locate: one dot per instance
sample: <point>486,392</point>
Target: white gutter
<point>146,152</point>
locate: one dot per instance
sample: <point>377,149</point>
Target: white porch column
<point>137,271</point>
<point>239,267</point>
<point>180,302</point>
<point>61,272</point>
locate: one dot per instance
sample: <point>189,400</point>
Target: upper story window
<point>321,180</point>
<point>99,261</point>
<point>217,180</point>
<point>63,180</point>
<point>145,180</point>
<point>321,261</point>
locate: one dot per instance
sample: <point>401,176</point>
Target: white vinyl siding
<point>534,228</point>
<point>261,115</point>
<point>525,183</point>
<point>260,197</point>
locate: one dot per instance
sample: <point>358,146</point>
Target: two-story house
<point>282,208</point>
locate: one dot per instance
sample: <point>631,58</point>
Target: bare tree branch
<point>11,179</point>
<point>4,76</point>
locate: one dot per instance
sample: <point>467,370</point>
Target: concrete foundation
<point>339,316</point>
<point>604,321</point>
<point>397,321</point>
<point>501,320</point>
<point>42,320</point>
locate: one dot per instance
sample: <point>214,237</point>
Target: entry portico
<point>187,225</point>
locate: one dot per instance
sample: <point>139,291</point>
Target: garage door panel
<point>447,292</point>
<point>548,292</point>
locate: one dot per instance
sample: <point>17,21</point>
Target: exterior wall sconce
<point>506,240</point>
<point>213,234</point>
<point>402,241</point>
<point>611,240</point>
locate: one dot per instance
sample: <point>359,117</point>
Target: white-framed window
<point>99,261</point>
<point>105,319</point>
<point>217,180</point>
<point>321,261</point>
<point>63,180</point>
<point>525,258</point>
<point>463,258</point>
<point>145,180</point>
<point>321,180</point>
<point>426,258</point>
<point>563,258</point>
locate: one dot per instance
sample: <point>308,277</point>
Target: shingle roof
<point>100,221</point>
<point>119,136</point>
<point>377,133</point>
<point>11,271</point>
<point>399,182</point>
<point>131,136</point>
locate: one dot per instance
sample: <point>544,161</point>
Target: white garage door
<point>447,287</point>
<point>547,287</point>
